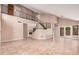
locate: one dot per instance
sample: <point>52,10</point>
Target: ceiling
<point>70,11</point>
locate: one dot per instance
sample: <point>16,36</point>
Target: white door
<point>25,34</point>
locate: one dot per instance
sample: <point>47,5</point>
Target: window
<point>62,31</point>
<point>75,30</point>
<point>67,31</point>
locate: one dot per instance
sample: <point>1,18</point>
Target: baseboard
<point>12,40</point>
<point>41,38</point>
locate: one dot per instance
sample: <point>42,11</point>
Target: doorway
<point>25,33</point>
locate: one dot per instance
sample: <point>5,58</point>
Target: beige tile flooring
<point>39,47</point>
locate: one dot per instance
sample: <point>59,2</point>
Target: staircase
<point>39,22</point>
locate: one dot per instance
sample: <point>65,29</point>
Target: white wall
<point>0,27</point>
<point>48,18</point>
<point>12,30</point>
<point>42,33</point>
<point>65,23</point>
<point>12,27</point>
<point>0,23</point>
<point>30,25</point>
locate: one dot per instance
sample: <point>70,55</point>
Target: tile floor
<point>39,47</point>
